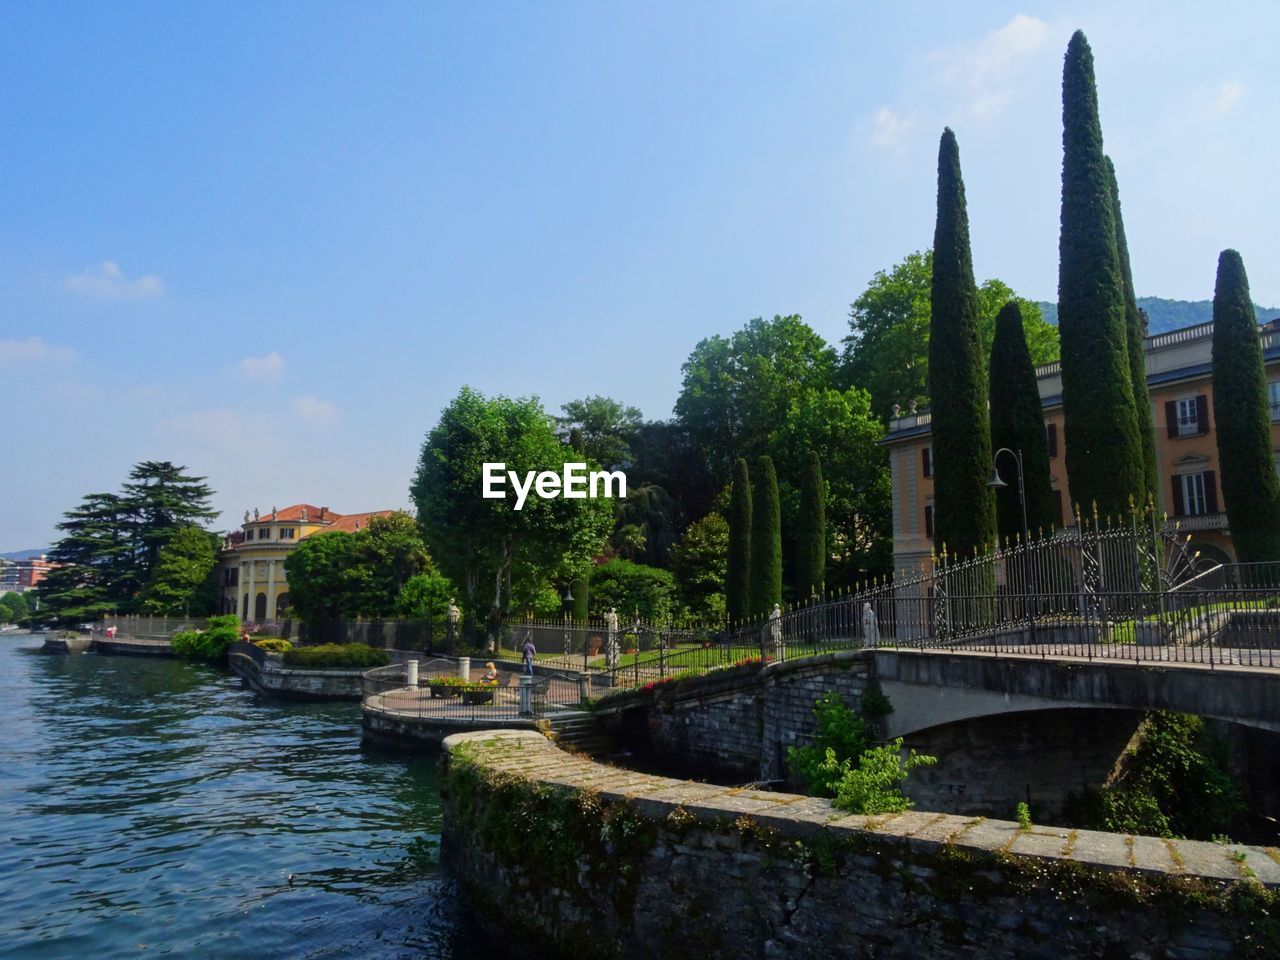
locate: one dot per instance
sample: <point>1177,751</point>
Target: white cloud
<point>985,73</point>
<point>265,368</point>
<point>1228,94</point>
<point>315,410</point>
<point>890,129</point>
<point>107,281</point>
<point>33,350</point>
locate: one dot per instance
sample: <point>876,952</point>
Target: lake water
<point>151,807</point>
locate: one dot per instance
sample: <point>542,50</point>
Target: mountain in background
<point>24,554</point>
<point>1165,315</point>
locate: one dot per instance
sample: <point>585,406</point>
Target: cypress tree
<point>964,510</point>
<point>766,541</point>
<point>580,592</point>
<point>737,586</point>
<point>811,538</point>
<point>1104,449</point>
<point>1242,418</point>
<point>1137,355</point>
<point>1017,422</point>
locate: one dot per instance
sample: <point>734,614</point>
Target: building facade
<point>22,575</point>
<point>1180,380</point>
<point>251,573</point>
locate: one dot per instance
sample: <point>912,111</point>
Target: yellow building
<point>1180,380</point>
<point>251,569</point>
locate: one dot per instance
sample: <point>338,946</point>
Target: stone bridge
<point>1005,728</point>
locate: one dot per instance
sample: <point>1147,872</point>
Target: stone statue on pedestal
<point>773,635</point>
<point>611,639</point>
<point>870,629</point>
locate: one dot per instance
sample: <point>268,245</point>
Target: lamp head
<point>995,482</point>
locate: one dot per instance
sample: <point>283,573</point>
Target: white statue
<point>611,639</point>
<point>870,631</point>
<point>454,613</point>
<point>273,513</point>
<point>773,634</point>
<point>304,513</point>
<point>255,513</point>
<point>246,516</point>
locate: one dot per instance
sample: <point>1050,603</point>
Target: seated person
<point>490,674</point>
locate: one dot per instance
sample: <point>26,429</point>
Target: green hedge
<point>273,644</point>
<point>209,644</point>
<point>336,655</point>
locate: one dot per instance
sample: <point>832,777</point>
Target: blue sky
<point>271,241</point>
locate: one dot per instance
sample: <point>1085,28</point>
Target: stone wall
<point>266,674</point>
<point>564,855</point>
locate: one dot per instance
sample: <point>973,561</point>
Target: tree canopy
<point>184,579</point>
<point>887,349</point>
<point>484,545</point>
<point>607,428</point>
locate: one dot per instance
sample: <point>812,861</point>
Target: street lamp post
<point>568,598</point>
<point>997,483</point>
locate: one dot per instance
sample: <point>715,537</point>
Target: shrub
<point>1024,816</point>
<point>336,655</point>
<point>874,785</point>
<point>209,644</point>
<point>273,644</point>
<point>841,732</point>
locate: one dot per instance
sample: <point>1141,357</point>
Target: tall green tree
<point>1242,418</point>
<point>887,349</point>
<point>738,581</point>
<point>1135,337</point>
<point>1104,458</point>
<point>633,588</point>
<point>605,428</point>
<point>964,511</point>
<point>326,577</point>
<point>1017,422</point>
<point>700,563</point>
<point>737,389</point>
<point>162,498</point>
<point>485,545</point>
<point>94,572</point>
<point>766,540</point>
<point>811,537</point>
<point>184,579</point>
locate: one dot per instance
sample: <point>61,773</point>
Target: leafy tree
<point>425,596</point>
<point>13,607</point>
<point>652,511</point>
<point>887,349</point>
<point>1242,418</point>
<point>737,389</point>
<point>839,428</point>
<point>1017,422</point>
<point>161,498</point>
<point>664,455</point>
<point>1104,447</point>
<point>184,579</point>
<point>485,545</point>
<point>391,548</point>
<point>964,511</point>
<point>631,587</point>
<point>738,575</point>
<point>700,563</point>
<point>211,643</point>
<point>766,540</point>
<point>1134,331</point>
<point>94,570</point>
<point>811,556</point>
<point>324,573</point>
<point>606,429</point>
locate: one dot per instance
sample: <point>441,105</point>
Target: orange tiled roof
<point>331,519</point>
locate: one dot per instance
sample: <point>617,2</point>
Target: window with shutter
<point>1210,492</point>
<point>1051,439</point>
<point>1179,508</point>
<point>1190,494</point>
<point>1171,418</point>
<point>1191,416</point>
<point>1202,414</point>
<point>926,461</point>
<point>928,522</point>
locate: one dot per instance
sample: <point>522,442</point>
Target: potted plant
<point>477,693</point>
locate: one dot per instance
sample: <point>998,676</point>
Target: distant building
<point>251,573</point>
<point>22,575</point>
<point>1180,380</point>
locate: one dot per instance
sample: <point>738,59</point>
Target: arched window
<point>282,604</point>
<point>260,607</point>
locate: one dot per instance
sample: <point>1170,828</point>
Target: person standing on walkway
<point>529,653</point>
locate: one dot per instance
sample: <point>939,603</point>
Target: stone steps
<point>582,733</point>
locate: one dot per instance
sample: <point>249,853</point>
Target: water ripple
<point>158,808</point>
